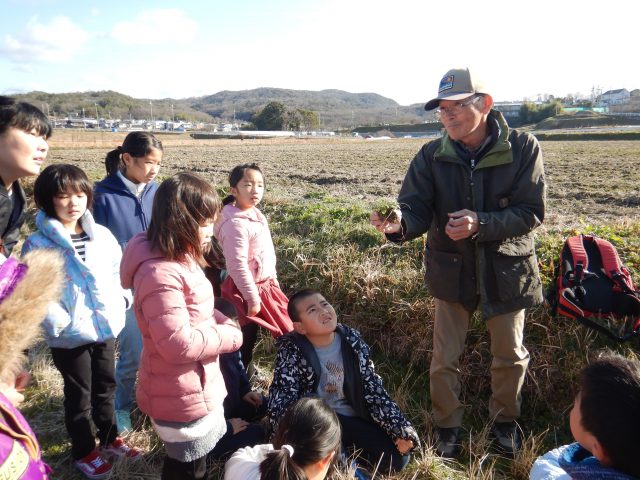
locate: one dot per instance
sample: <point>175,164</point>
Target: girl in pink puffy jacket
<point>180,386</point>
<point>251,284</point>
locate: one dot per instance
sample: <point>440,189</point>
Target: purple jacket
<point>20,456</point>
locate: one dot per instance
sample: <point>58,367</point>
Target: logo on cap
<point>446,83</point>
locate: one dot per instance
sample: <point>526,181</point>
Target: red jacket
<point>179,378</point>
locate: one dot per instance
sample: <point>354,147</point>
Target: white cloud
<point>154,27</point>
<point>57,41</point>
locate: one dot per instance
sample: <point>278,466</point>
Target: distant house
<point>615,97</point>
<point>635,93</point>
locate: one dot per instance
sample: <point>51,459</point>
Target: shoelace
<point>97,462</point>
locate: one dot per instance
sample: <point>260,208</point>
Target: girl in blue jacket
<point>81,328</point>
<point>123,201</point>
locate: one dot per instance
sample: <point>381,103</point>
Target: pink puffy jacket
<point>248,249</point>
<point>179,378</point>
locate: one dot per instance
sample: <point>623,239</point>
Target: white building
<point>615,97</point>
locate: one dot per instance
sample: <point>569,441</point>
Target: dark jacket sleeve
<point>416,197</point>
<point>291,380</point>
<point>528,196</point>
<point>383,410</point>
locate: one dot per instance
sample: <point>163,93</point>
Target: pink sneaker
<point>93,466</point>
<point>121,449</point>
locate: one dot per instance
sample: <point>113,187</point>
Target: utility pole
<point>151,108</point>
<point>172,116</point>
<point>96,105</point>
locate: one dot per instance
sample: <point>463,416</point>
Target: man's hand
<point>254,398</point>
<point>386,224</point>
<point>462,224</point>
<point>403,446</point>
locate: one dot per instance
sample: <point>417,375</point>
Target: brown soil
<point>596,180</point>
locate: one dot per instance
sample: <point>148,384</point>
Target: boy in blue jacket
<point>326,359</point>
<point>604,421</point>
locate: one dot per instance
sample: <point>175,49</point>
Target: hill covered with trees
<point>335,108</point>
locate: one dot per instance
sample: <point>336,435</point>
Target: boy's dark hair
<point>24,116</point>
<point>312,429</point>
<point>136,144</point>
<point>181,205</point>
<point>58,179</point>
<point>609,407</point>
<point>236,175</point>
<point>297,297</point>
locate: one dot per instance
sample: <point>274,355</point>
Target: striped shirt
<point>79,240</point>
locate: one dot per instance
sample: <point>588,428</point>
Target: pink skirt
<point>273,306</point>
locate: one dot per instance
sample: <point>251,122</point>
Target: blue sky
<point>159,49</point>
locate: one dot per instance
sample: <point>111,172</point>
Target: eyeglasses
<point>456,108</point>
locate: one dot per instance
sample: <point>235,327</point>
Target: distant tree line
<point>276,116</point>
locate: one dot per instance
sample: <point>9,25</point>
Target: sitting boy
<point>604,421</point>
<point>324,358</point>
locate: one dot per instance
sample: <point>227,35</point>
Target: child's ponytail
<point>280,464</point>
<point>307,434</point>
<point>113,161</point>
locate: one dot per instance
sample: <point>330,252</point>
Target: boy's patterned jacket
<point>294,377</point>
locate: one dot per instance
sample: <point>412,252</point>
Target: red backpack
<point>595,288</point>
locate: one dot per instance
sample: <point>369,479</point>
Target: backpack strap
<point>611,263</point>
<point>612,266</point>
<point>579,256</point>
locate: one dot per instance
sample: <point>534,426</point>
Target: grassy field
<point>319,193</point>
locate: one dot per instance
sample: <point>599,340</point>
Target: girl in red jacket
<point>251,285</point>
<point>180,386</point>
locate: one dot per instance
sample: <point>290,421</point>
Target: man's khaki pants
<point>508,367</point>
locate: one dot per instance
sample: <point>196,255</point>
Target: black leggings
<point>249,340</point>
<point>88,372</point>
<point>176,470</point>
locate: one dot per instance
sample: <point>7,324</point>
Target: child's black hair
<point>297,297</point>
<point>609,406</point>
<point>311,428</point>
<point>24,116</point>
<point>58,179</point>
<point>236,175</point>
<point>136,144</point>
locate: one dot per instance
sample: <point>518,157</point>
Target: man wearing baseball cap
<point>479,192</point>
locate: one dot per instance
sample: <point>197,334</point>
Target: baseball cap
<point>457,84</point>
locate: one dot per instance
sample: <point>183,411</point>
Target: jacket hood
<point>230,212</point>
<point>55,231</point>
<point>137,252</point>
<point>113,183</point>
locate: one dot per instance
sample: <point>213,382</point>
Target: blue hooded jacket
<point>116,208</point>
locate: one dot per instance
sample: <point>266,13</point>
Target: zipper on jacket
<point>144,217</point>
